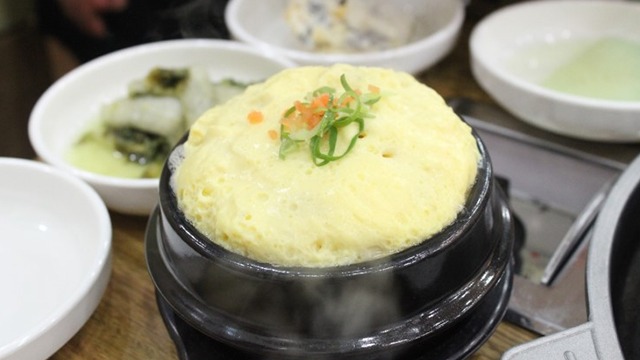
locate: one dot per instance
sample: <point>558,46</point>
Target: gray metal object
<point>551,186</point>
<point>599,236</point>
<point>596,338</point>
<point>576,234</point>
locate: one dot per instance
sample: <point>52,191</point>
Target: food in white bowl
<point>71,106</point>
<point>55,262</point>
<point>348,26</point>
<point>365,162</point>
<point>409,36</point>
<point>573,75</point>
<point>607,69</point>
<point>132,136</point>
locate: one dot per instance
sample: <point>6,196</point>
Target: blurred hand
<point>86,14</point>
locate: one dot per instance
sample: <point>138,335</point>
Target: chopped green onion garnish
<point>320,118</point>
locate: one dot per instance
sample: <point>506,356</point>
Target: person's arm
<point>86,14</point>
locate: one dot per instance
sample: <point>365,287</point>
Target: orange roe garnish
<point>273,135</point>
<point>321,101</point>
<point>374,89</point>
<point>255,117</point>
<point>306,115</point>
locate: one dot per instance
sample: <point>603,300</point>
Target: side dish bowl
<point>515,49</point>
<point>55,261</point>
<point>435,27</point>
<point>422,301</point>
<point>71,104</point>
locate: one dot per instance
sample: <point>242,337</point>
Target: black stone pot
<point>450,289</point>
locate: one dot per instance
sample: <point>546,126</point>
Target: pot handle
<point>572,344</point>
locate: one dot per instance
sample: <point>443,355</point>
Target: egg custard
<point>326,166</point>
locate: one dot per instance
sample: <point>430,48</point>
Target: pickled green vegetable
<point>134,135</point>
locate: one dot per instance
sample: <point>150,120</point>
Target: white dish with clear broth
<point>55,261</point>
<point>573,75</point>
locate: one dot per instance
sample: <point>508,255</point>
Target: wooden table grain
<point>127,324</point>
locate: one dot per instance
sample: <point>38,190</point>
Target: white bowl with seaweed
<point>112,121</point>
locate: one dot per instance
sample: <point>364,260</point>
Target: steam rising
<point>173,162</point>
<point>348,310</point>
<point>310,310</point>
<point>193,19</point>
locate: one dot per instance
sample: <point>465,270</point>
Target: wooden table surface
<point>127,324</point>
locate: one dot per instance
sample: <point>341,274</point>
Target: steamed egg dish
<point>326,166</point>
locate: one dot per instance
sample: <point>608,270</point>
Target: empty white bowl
<point>64,111</point>
<point>55,261</point>
<point>515,48</point>
<point>435,28</point>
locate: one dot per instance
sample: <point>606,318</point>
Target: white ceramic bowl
<point>437,25</point>
<point>68,106</point>
<point>55,261</point>
<point>515,48</point>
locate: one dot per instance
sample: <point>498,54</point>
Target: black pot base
<point>459,342</point>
